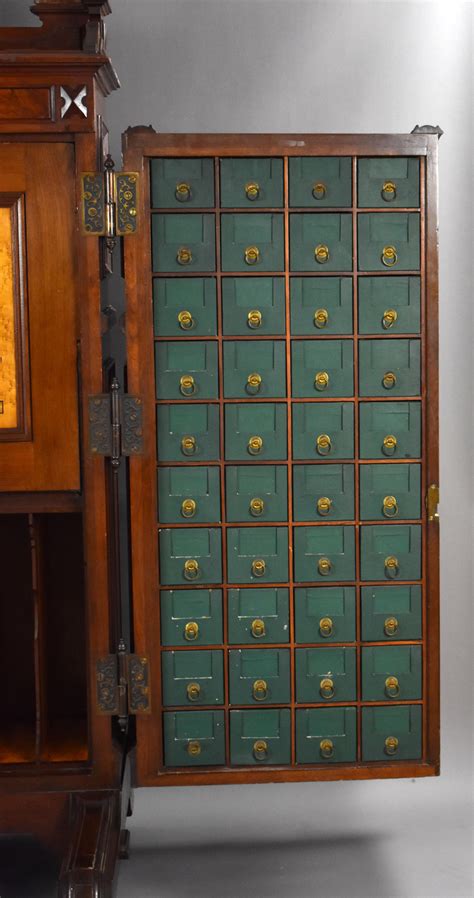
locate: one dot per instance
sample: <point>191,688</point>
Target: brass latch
<point>432,502</point>
<point>109,202</point>
<point>122,682</point>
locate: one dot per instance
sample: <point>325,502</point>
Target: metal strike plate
<point>432,502</point>
<point>138,684</point>
<point>93,203</point>
<point>126,196</point>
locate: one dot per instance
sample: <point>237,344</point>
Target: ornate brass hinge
<point>123,685</point>
<point>432,502</point>
<point>115,424</point>
<point>109,202</point>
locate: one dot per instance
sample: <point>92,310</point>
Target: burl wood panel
<point>19,105</point>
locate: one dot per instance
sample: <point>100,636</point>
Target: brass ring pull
<point>184,256</point>
<point>326,748</point>
<point>389,318</point>
<point>191,631</point>
<point>321,318</point>
<point>319,190</point>
<point>391,566</point>
<point>389,256</point>
<point>326,627</point>
<point>191,569</point>
<point>391,745</point>
<point>255,445</point>
<point>392,687</point>
<point>321,380</point>
<point>390,626</point>
<point>390,507</point>
<point>252,255</point>
<point>260,690</point>
<point>188,445</point>
<point>324,566</point>
<point>256,507</point>
<point>193,691</point>
<point>193,748</point>
<point>389,444</point>
<point>389,380</point>
<point>389,191</point>
<point>188,508</point>
<point>323,444</point>
<point>324,506</point>
<point>254,318</point>
<point>187,385</point>
<point>326,688</point>
<point>321,253</point>
<point>185,320</point>
<point>260,750</point>
<point>183,192</point>
<point>252,190</point>
<point>257,628</point>
<point>254,382</point>
<point>258,567</point>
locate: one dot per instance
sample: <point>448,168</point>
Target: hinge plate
<point>115,424</point>
<point>109,672</point>
<point>109,203</point>
<point>432,502</point>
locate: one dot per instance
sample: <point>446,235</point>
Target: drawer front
<point>254,369</point>
<point>389,242</point>
<point>194,738</point>
<point>184,306</point>
<point>323,492</point>
<point>389,305</point>
<point>391,672</point>
<point>389,367</point>
<point>391,612</point>
<point>189,493</point>
<point>322,368</point>
<point>183,242</point>
<point>255,432</point>
<point>191,617</point>
<point>324,553</point>
<point>182,183</point>
<point>390,492</point>
<point>321,306</point>
<point>251,182</point>
<point>252,242</point>
<point>326,735</point>
<point>259,676</point>
<point>186,370</point>
<point>257,555</point>
<point>192,678</point>
<point>320,181</point>
<point>393,181</point>
<point>188,432</point>
<point>391,552</point>
<point>253,306</point>
<point>325,614</point>
<point>260,737</point>
<point>390,429</point>
<point>257,493</point>
<point>320,242</point>
<point>190,555</point>
<point>391,734</point>
<point>326,675</point>
<point>323,430</point>
<point>258,615</point>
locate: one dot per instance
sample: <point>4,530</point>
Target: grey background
<point>295,65</point>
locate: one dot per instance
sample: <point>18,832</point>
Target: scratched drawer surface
<point>194,738</point>
<point>190,555</point>
<point>260,737</point>
<point>251,183</point>
<point>323,431</point>
<point>392,733</point>
<point>255,432</point>
<point>390,492</point>
<point>256,493</point>
<point>320,306</point>
<point>390,430</point>
<point>257,555</point>
<point>187,431</point>
<point>322,368</point>
<point>191,617</point>
<point>254,369</point>
<point>391,552</point>
<point>390,181</point>
<point>324,553</point>
<point>320,242</point>
<point>253,307</point>
<point>182,183</point>
<point>186,370</point>
<point>391,612</point>
<point>184,307</point>
<point>326,675</point>
<point>326,735</point>
<point>194,677</point>
<point>320,181</point>
<point>183,242</point>
<point>323,492</point>
<point>325,614</point>
<point>389,368</point>
<point>389,241</point>
<point>259,676</point>
<point>389,305</point>
<point>252,241</point>
<point>189,493</point>
<point>259,615</point>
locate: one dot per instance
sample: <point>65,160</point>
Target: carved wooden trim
<point>88,868</point>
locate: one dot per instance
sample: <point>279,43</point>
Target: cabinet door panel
<point>251,182</point>
<point>194,738</point>
<point>326,735</point>
<point>258,615</point>
<point>253,306</point>
<point>260,737</point>
<point>321,306</point>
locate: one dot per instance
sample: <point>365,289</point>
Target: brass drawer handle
<point>254,318</point>
<point>326,627</point>
<point>324,566</point>
<point>326,688</point>
<point>257,628</point>
<point>184,256</point>
<point>326,748</point>
<point>389,380</point>
<point>390,626</point>
<point>391,745</point>
<point>252,255</point>
<point>390,507</point>
<point>191,631</point>
<point>391,566</point>
<point>389,191</point>
<point>193,748</point>
<point>389,444</point>
<point>252,190</point>
<point>188,445</point>
<point>321,317</point>
<point>191,569</point>
<point>392,687</point>
<point>187,385</point>
<point>260,750</point>
<point>321,253</point>
<point>260,690</point>
<point>324,506</point>
<point>256,507</point>
<point>389,256</point>
<point>188,508</point>
<point>193,691</point>
<point>319,190</point>
<point>323,444</point>
<point>185,320</point>
<point>254,382</point>
<point>321,380</point>
<point>258,567</point>
<point>183,192</point>
<point>389,318</point>
<point>255,445</point>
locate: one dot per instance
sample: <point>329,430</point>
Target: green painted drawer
<point>391,552</point>
<point>391,612</point>
<point>389,305</point>
<point>321,306</point>
<point>188,431</point>
<point>390,429</point>
<point>253,306</point>
<point>320,241</point>
<point>255,432</point>
<point>259,676</point>
<point>257,555</point>
<point>186,370</point>
<point>391,734</point>
<point>324,553</point>
<point>251,182</point>
<point>252,242</point>
<point>326,735</point>
<point>194,738</point>
<point>183,242</point>
<point>389,367</point>
<point>257,493</point>
<point>192,677</point>
<point>182,183</point>
<point>323,492</point>
<point>389,242</point>
<point>320,181</point>
<point>254,368</point>
<point>325,675</point>
<point>190,555</point>
<point>183,306</point>
<point>391,672</point>
<point>260,737</point>
<point>325,614</point>
<point>189,493</point>
<point>191,616</point>
<point>323,430</point>
<point>258,615</point>
<point>390,181</point>
<point>390,491</point>
<point>322,368</point>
